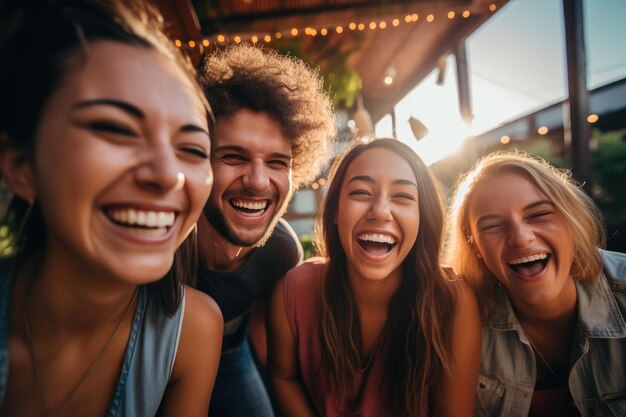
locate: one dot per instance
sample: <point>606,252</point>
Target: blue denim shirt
<point>597,378</point>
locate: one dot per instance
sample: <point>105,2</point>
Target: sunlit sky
<point>516,66</point>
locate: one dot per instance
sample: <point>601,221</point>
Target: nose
<point>256,178</point>
<point>160,169</point>
<point>520,234</point>
<point>380,210</point>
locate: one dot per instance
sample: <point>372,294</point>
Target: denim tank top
<point>148,361</point>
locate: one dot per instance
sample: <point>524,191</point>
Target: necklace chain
<point>532,345</point>
<point>29,341</point>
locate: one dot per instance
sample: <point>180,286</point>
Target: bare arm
<point>460,384</point>
<point>197,358</point>
<point>288,392</point>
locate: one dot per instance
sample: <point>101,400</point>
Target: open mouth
<point>253,208</point>
<point>376,243</point>
<point>529,266</point>
<point>146,223</point>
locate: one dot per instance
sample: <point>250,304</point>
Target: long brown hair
<point>417,335</point>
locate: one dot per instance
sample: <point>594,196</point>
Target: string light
<point>339,29</point>
<point>542,130</point>
<point>592,118</point>
<point>505,139</point>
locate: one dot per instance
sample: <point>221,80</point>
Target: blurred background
<point>454,79</point>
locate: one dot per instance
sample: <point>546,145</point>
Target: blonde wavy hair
<point>580,213</point>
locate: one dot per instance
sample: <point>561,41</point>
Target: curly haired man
<point>273,130</point>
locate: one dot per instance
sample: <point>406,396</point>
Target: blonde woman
<point>552,304</point>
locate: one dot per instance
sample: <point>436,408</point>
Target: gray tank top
<point>148,361</point>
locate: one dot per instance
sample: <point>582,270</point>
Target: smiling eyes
<point>235,159</point>
<point>118,129</point>
<point>366,194</point>
<point>533,217</point>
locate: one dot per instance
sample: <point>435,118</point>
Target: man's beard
<point>217,219</point>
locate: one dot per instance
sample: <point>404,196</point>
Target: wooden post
<point>577,135</point>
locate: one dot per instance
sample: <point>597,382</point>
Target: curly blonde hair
<point>244,76</point>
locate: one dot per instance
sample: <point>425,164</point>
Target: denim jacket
<point>597,377</point>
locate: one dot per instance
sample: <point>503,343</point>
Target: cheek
<point>282,181</point>
<point>199,182</point>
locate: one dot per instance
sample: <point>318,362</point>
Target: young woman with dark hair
<point>376,327</point>
<point>105,145</point>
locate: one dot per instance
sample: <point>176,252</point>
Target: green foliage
<point>307,245</point>
<point>609,174</point>
<point>341,81</point>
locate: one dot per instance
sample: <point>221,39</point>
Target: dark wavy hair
<point>418,332</point>
<point>244,76</point>
<point>39,40</point>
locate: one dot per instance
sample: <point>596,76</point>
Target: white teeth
<point>257,205</point>
<point>377,237</point>
<point>152,219</point>
<point>530,258</point>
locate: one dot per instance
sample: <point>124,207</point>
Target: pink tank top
<point>303,288</point>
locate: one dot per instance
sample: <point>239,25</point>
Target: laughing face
<point>522,239</point>
<point>121,168</point>
<point>378,214</point>
<point>252,164</point>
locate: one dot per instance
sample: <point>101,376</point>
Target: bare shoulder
<point>201,333</point>
<point>202,312</point>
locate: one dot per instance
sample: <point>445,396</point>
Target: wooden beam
<point>577,136</point>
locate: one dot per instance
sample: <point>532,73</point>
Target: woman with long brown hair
<point>376,327</point>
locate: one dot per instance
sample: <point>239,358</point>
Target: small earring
<point>12,246</point>
<point>470,239</point>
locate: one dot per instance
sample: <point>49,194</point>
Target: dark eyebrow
<point>365,178</point>
<point>194,128</point>
<point>241,149</point>
<point>405,182</point>
<point>368,179</point>
<point>127,107</point>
